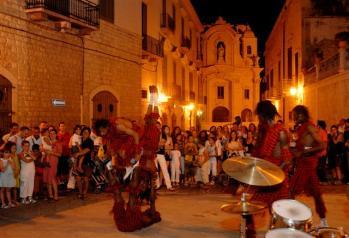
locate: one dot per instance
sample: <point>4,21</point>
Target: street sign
<point>58,102</point>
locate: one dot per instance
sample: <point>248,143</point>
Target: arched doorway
<point>5,104</point>
<point>246,115</point>
<point>104,105</point>
<point>221,114</point>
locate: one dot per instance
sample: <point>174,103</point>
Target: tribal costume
<point>305,177</point>
<point>268,143</point>
<point>142,180</point>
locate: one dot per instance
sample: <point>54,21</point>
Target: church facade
<point>230,73</point>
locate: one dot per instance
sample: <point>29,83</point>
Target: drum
<point>286,233</point>
<point>288,213</point>
<point>328,232</point>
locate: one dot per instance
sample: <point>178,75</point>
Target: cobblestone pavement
<point>185,213</point>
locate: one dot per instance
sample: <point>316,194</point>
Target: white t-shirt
<point>175,155</point>
<point>18,140</point>
<point>75,140</point>
<point>33,141</point>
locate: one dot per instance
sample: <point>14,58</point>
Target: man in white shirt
<point>13,131</point>
<point>35,138</point>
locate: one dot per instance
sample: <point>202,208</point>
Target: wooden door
<point>104,105</point>
<point>5,105</point>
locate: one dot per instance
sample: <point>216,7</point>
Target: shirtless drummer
<point>308,147</point>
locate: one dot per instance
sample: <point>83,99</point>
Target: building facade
<point>293,48</point>
<point>230,73</point>
<point>78,61</point>
<point>63,61</point>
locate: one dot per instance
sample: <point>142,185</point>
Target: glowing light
<point>190,106</point>
<point>276,104</point>
<point>293,91</point>
<point>199,113</point>
<point>163,98</point>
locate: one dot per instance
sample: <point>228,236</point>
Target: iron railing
<point>186,42</point>
<point>152,45</point>
<point>167,21</point>
<point>329,67</point>
<point>82,10</point>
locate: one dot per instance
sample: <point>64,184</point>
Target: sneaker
<point>323,222</point>
<point>24,201</point>
<point>32,201</point>
<point>4,206</point>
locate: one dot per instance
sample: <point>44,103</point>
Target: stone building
<point>209,74</point>
<point>230,73</point>
<point>62,61</point>
<point>303,28</point>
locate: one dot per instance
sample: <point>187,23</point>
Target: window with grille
<point>144,94</point>
<point>220,92</point>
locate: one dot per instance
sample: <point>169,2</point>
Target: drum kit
<point>290,218</point>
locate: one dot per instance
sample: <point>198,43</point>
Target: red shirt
<point>64,139</point>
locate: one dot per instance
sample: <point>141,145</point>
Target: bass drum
<point>286,233</point>
<point>288,213</point>
<point>329,232</point>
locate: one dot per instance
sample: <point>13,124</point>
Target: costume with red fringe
<point>129,217</point>
<point>268,141</point>
<point>305,178</point>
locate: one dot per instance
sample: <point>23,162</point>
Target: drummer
<point>308,150</point>
<point>272,145</point>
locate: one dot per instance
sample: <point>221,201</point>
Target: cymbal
<point>244,208</point>
<point>253,171</point>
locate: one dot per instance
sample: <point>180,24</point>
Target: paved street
<point>185,214</point>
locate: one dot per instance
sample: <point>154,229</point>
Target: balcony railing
<point>167,21</point>
<point>152,45</point>
<point>82,11</point>
<point>186,42</point>
<point>329,67</point>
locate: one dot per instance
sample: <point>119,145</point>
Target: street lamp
<point>293,91</point>
<point>190,107</point>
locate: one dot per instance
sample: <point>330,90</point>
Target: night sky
<point>259,14</point>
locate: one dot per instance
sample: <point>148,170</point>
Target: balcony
<point>152,47</point>
<point>80,14</point>
<point>167,23</point>
<point>329,67</point>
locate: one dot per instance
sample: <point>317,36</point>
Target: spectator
<point>19,138</point>
<point>39,170</point>
<point>85,165</point>
<point>234,147</point>
<point>63,164</point>
<point>190,151</point>
<point>52,151</point>
<point>14,129</point>
<point>175,165</point>
<point>7,180</point>
<point>321,170</point>
<point>212,154</point>
<point>203,165</point>
<point>27,174</point>
<point>16,170</point>
<point>35,138</point>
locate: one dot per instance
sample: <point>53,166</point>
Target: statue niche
<point>220,53</point>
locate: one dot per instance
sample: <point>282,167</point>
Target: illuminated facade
<point>292,49</point>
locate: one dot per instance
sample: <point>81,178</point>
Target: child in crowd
<point>212,153</point>
<point>175,155</point>
<point>39,171</point>
<point>7,178</point>
<point>190,151</point>
<point>17,169</point>
<point>203,165</point>
<point>27,174</point>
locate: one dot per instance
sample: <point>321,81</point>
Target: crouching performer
<point>133,151</point>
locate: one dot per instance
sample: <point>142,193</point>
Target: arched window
<point>249,50</point>
<point>246,115</point>
<point>220,52</point>
<point>221,114</point>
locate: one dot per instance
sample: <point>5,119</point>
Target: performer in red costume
<point>272,145</point>
<point>133,152</point>
<point>308,148</point>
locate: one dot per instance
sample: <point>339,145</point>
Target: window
<point>249,50</point>
<point>144,94</point>
<point>144,19</point>
<point>174,16</point>
<point>183,83</point>
<point>164,73</point>
<point>164,6</point>
<point>220,92</point>
<point>279,71</point>
<point>289,63</point>
<point>182,28</point>
<point>272,78</point>
<point>174,73</point>
<point>191,81</point>
<point>296,66</point>
<point>106,8</point>
<point>247,94</point>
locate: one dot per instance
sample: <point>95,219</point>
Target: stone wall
<point>42,64</point>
